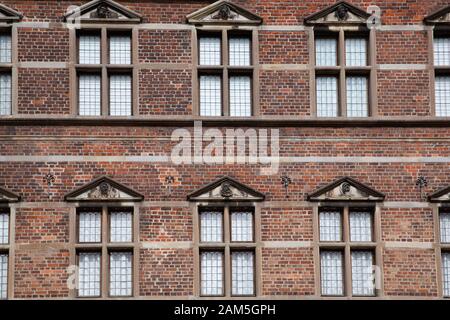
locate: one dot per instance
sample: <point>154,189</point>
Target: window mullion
<point>104,81</point>
<point>104,259</point>
<point>225,76</point>
<point>342,107</point>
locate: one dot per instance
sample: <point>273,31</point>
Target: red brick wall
<point>286,224</point>
<point>165,46</point>
<point>38,44</point>
<point>165,224</point>
<point>400,47</point>
<point>407,225</point>
<point>283,47</point>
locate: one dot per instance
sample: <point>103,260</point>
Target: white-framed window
<point>89,49</point>
<point>89,279</point>
<point>242,226</point>
<point>327,96</point>
<point>242,271</point>
<point>355,52</point>
<point>4,227</point>
<point>444,222</point>
<point>212,269</point>
<point>3,275</point>
<point>239,51</point>
<point>446,273</point>
<point>210,95</point>
<point>442,95</point>
<point>89,94</point>
<point>5,48</point>
<point>240,96</point>
<point>120,95</point>
<point>357,96</point>
<point>210,50</point>
<point>441,49</point>
<point>332,273</point>
<point>121,226</point>
<point>362,273</point>
<point>360,226</point>
<point>326,52</point>
<point>5,94</point>
<point>119,49</point>
<point>330,225</point>
<point>211,225</point>
<point>121,274</point>
<point>90,226</point>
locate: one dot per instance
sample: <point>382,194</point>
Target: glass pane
<point>242,269</point>
<point>209,48</point>
<point>446,273</point>
<point>357,97</point>
<point>326,52</point>
<point>89,274</point>
<point>441,51</point>
<point>120,95</point>
<point>121,229</point>
<point>445,227</point>
<point>120,279</point>
<point>210,96</point>
<point>89,95</point>
<point>442,95</point>
<point>4,227</point>
<point>3,276</point>
<point>211,273</point>
<point>327,96</point>
<point>242,226</point>
<point>362,273</point>
<point>239,51</point>
<point>89,225</point>
<point>5,48</point>
<point>330,226</point>
<point>360,226</point>
<point>5,94</point>
<point>119,50</point>
<point>332,279</point>
<point>89,49</point>
<point>211,226</point>
<point>355,52</point>
<point>240,96</point>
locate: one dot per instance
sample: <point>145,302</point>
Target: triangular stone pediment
<point>226,189</point>
<point>339,13</point>
<point>9,15</point>
<point>223,12</point>
<point>346,189</point>
<point>102,11</point>
<point>442,16</point>
<point>104,189</point>
<point>7,196</point>
<point>442,195</point>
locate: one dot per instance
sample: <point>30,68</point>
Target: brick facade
<point>387,151</point>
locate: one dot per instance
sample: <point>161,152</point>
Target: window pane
<point>330,226</point>
<point>326,52</point>
<point>242,226</point>
<point>240,96</point>
<point>441,51</point>
<point>89,274</point>
<point>5,48</point>
<point>89,49</point>
<point>121,226</point>
<point>327,96</point>
<point>445,227</point>
<point>239,51</point>
<point>355,52</point>
<point>120,279</point>
<point>210,96</point>
<point>357,97</point>
<point>120,95</point>
<point>90,226</point>
<point>5,94</point>
<point>442,93</point>
<point>446,273</point>
<point>89,95</point>
<point>210,51</point>
<point>242,269</point>
<point>360,226</point>
<point>211,226</point>
<point>119,50</point>
<point>362,273</point>
<point>332,282</point>
<point>3,276</point>
<point>211,273</point>
<point>4,227</point>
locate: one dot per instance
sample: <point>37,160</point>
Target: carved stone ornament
<point>103,12</point>
<point>342,13</point>
<point>345,188</point>
<point>224,14</point>
<point>104,191</point>
<point>225,190</point>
